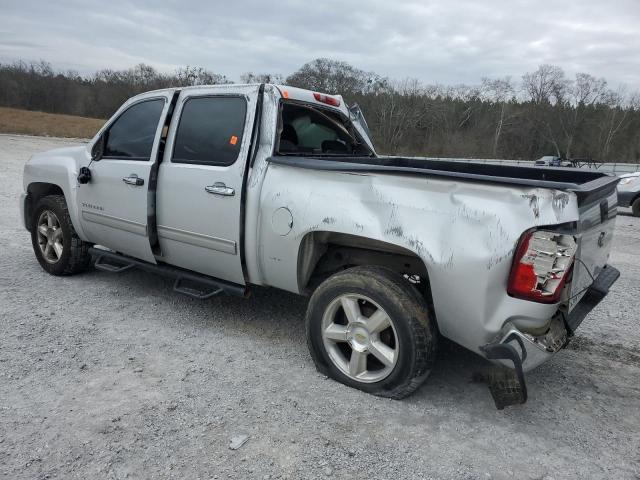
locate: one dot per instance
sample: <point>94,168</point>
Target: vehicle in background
<point>226,187</point>
<point>552,161</point>
<point>629,192</point>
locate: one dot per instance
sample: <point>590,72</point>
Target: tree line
<point>544,112</point>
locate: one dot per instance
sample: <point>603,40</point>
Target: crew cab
<point>228,187</point>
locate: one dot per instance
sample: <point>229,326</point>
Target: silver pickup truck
<point>222,188</point>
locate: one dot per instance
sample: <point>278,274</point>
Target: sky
<point>444,41</point>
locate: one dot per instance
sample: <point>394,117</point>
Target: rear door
<point>114,208</point>
<point>200,181</point>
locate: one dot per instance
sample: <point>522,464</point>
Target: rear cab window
<point>309,130</point>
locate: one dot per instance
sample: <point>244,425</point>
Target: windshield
<point>306,130</point>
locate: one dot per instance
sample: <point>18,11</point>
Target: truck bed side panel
<point>465,233</point>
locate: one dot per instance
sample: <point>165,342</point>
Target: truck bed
<point>588,185</point>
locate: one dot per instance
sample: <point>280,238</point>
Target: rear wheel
<point>58,248</point>
<point>369,328</point>
<point>635,207</point>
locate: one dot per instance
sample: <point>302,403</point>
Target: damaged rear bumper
<point>534,350</point>
<point>523,352</point>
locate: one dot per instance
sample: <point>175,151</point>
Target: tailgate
<point>594,237</point>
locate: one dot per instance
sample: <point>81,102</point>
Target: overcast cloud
<point>435,41</point>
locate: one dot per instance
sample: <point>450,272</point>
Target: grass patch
<point>26,122</point>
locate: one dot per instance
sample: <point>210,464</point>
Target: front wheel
<point>56,244</point>
<point>369,328</point>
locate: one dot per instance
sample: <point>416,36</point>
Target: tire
<point>57,246</point>
<point>376,296</point>
<point>635,207</point>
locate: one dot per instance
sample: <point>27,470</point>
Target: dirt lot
<point>107,376</point>
<point>13,120</point>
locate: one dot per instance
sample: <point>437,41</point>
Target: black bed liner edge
<point>587,185</point>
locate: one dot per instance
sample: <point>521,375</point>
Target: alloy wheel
<point>50,238</point>
<point>360,338</point>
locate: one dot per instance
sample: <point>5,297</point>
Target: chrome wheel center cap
<point>358,337</point>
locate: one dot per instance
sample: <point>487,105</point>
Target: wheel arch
<point>36,191</point>
<point>323,253</point>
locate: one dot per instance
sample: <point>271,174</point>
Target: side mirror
<point>98,149</point>
<point>84,176</point>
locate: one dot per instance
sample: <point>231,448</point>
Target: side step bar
<point>188,283</point>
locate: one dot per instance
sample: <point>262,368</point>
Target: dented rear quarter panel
<point>465,232</point>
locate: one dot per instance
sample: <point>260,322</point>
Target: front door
<point>200,181</point>
<point>113,205</point>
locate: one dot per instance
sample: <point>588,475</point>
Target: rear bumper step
<point>595,293</point>
<point>186,282</point>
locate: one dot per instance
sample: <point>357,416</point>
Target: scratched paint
<point>559,202</point>
<point>464,232</point>
<point>533,204</point>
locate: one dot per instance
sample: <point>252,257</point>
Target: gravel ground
<point>107,376</point>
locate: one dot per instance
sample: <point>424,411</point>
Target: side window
<point>210,131</point>
<point>131,136</point>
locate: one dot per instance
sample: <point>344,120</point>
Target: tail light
<point>321,97</point>
<point>540,268</point>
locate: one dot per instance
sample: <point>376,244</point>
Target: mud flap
<point>507,386</point>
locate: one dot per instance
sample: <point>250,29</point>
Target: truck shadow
<point>625,212</point>
<point>274,320</point>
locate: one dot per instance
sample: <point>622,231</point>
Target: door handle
<point>219,188</point>
<point>134,180</point>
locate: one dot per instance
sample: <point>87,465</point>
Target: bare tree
<point>398,111</point>
<point>500,92</point>
<point>546,85</point>
<point>615,118</point>
<point>251,77</point>
<point>544,88</point>
<point>187,76</point>
<point>579,117</point>
<point>333,76</point>
<point>582,94</point>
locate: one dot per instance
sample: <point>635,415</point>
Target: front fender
<point>58,167</point>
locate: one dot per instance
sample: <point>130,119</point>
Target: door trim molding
<point>198,239</point>
<point>115,222</point>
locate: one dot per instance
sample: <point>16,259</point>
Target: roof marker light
<point>322,98</point>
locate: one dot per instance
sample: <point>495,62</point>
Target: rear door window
<point>210,131</point>
<point>132,134</point>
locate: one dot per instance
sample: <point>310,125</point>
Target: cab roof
<point>284,91</point>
